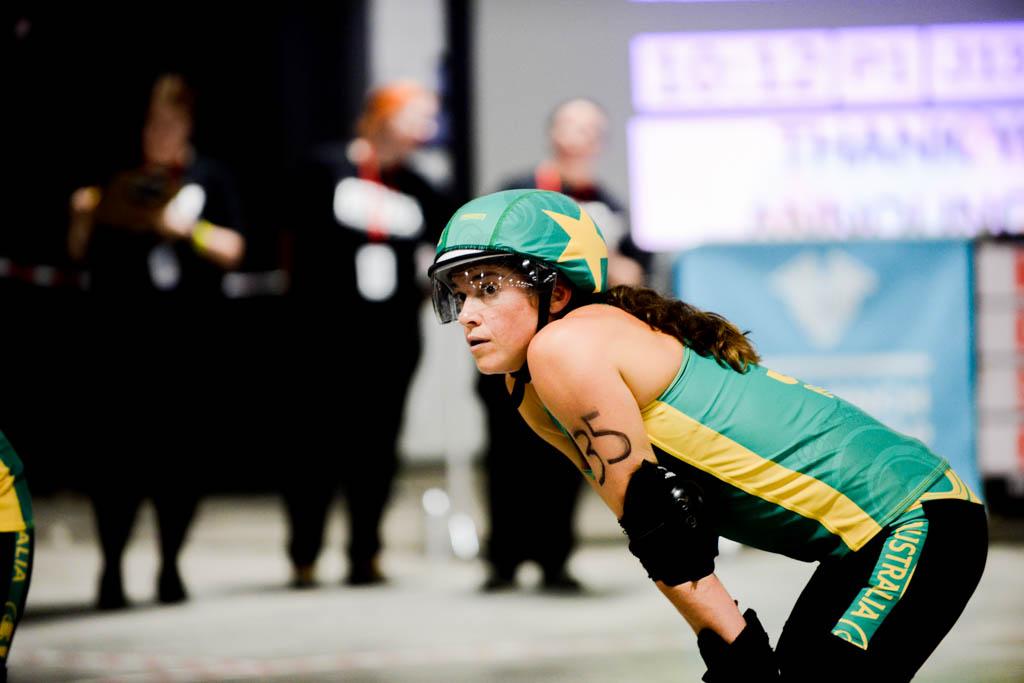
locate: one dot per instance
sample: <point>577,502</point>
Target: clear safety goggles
<point>484,276</point>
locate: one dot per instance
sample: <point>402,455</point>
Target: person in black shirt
<point>156,240</point>
<point>363,214</point>
<point>544,533</point>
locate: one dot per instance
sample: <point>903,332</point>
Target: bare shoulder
<point>596,341</point>
<point>582,334</point>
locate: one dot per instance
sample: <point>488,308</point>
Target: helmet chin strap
<point>521,376</point>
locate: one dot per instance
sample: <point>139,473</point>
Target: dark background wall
<point>270,84</point>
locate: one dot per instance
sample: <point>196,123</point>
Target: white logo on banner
<point>824,295</point>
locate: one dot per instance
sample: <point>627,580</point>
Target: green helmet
<point>541,233</point>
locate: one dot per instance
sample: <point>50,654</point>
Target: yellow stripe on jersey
<point>681,436</point>
<point>11,518</point>
<point>958,491</point>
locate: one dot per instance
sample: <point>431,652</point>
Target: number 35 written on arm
<point>589,450</point>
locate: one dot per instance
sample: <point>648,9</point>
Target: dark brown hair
<point>709,334</point>
<point>172,90</point>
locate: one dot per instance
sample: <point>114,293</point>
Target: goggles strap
<point>521,376</point>
<point>543,308</point>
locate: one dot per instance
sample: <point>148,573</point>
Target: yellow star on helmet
<point>585,242</point>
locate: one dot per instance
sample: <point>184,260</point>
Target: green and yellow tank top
<point>788,467</point>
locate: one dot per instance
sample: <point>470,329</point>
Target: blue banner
<point>886,325</point>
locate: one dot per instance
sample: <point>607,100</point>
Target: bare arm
<point>216,243</point>
<point>575,376</point>
<point>84,201</point>
<point>706,604</point>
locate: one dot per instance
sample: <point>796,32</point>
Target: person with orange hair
<point>366,219</point>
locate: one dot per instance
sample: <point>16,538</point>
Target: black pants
<point>141,440</point>
<point>949,567</point>
<point>312,484</point>
<point>541,530</point>
<point>146,423</point>
<point>346,437</point>
<point>116,509</point>
<point>17,550</point>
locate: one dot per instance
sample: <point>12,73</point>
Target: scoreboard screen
<point>840,133</point>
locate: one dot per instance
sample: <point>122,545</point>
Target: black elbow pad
<point>666,520</point>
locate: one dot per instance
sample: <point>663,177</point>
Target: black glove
<point>749,658</point>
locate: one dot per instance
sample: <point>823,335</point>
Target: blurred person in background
<point>17,544</point>
<point>365,222</point>
<point>156,239</point>
<point>578,132</point>
<point>545,532</point>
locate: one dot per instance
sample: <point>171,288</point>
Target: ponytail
<point>709,334</point>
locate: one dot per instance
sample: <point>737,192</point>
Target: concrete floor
<point>429,622</point>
